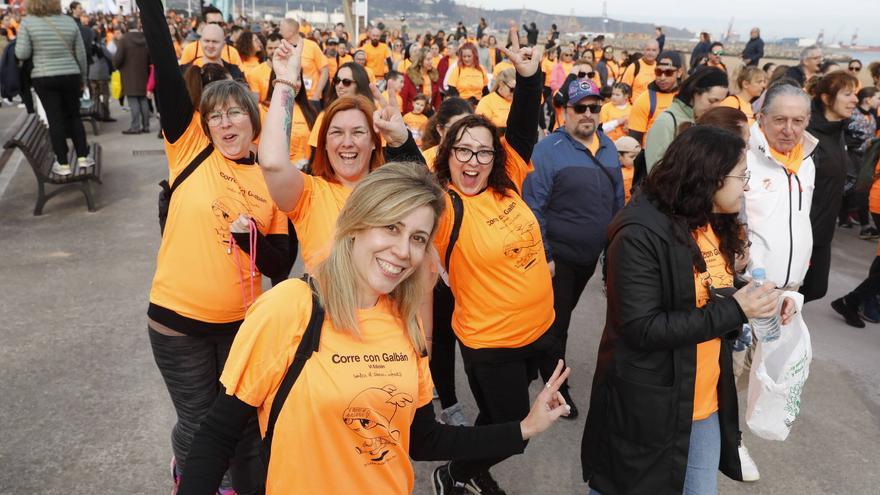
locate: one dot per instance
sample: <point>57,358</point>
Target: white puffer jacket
<point>777,212</point>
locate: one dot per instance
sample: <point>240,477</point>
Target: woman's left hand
<point>241,225</point>
<point>388,120</point>
<point>548,406</point>
<point>789,309</point>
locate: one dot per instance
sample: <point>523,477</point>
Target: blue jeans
<point>704,456</point>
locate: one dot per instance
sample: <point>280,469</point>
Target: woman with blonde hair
<point>420,78</point>
<point>496,105</point>
<point>54,44</point>
<point>352,360</point>
<point>750,84</point>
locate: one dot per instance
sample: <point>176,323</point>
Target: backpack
<point>167,190</point>
<point>309,343</point>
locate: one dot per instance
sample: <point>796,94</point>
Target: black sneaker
<point>847,224</point>
<point>483,484</point>
<point>573,411</point>
<point>869,233</point>
<point>443,483</point>
<point>849,312</point>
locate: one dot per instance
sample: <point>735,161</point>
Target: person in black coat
<point>701,49</point>
<point>664,380</point>
<point>834,100</point>
<point>531,33</point>
<point>754,49</point>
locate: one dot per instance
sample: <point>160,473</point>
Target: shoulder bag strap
<point>193,165</point>
<point>72,53</point>
<point>307,345</point>
<point>458,213</point>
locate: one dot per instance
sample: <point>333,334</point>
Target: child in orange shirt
<point>415,121</point>
<point>627,150</point>
<point>614,115</point>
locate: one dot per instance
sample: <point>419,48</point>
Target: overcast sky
<point>777,18</point>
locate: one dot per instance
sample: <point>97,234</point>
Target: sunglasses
<point>855,68</point>
<point>718,54</point>
<point>590,74</point>
<point>345,82</point>
<point>665,72</point>
<point>580,108</point>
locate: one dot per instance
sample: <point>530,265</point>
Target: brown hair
<point>732,119</point>
<point>498,179</point>
<point>197,78</point>
<point>831,84</point>
<point>43,8</point>
<point>321,166</point>
<point>220,93</point>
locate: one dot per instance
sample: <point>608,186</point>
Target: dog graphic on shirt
<point>369,415</point>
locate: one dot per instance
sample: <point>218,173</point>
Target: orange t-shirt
<point>628,173</point>
<point>640,118</point>
<point>791,160</point>
<point>258,80</point>
<point>196,276</point>
<point>874,195</point>
<point>249,64</point>
<point>313,136</point>
<point>314,217</point>
<point>193,51</point>
<point>639,83</point>
<point>610,111</point>
<point>376,56</point>
<point>709,352</point>
<point>734,101</point>
<point>313,61</point>
<point>299,134</point>
<point>498,272</point>
<point>469,81</point>
<point>494,107</point>
<point>546,67</point>
<point>344,427</point>
<point>430,155</point>
<point>415,122</point>
<point>398,98</point>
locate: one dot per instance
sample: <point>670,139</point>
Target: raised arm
<point>175,107</point>
<point>285,182</point>
<point>525,109</point>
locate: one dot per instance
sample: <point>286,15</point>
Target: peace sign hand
<point>387,119</point>
<point>548,406</point>
<point>287,60</point>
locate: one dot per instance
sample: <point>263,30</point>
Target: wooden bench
<point>32,138</point>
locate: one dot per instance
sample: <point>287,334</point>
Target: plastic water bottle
<point>765,329</point>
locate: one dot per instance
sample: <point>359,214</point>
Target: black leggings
<point>191,368</point>
<point>60,98</point>
<point>443,348</point>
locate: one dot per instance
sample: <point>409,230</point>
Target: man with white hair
<point>781,178</point>
<point>754,49</point>
<point>810,60</point>
<point>641,73</point>
<point>315,67</point>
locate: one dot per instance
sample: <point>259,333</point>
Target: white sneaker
<point>749,468</point>
<point>453,416</point>
<point>61,169</point>
<point>84,162</point>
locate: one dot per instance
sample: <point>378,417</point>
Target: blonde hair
<point>749,74</point>
<point>506,76</point>
<point>382,198</point>
<point>43,8</point>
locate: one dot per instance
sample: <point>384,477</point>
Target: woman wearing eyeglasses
<point>663,412</point>
<point>562,69</point>
<point>609,70</point>
<point>498,274</point>
<point>222,232</point>
<point>704,89</point>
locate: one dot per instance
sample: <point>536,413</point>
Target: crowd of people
<point>462,189</point>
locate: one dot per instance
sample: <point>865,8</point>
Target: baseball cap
<point>673,57</point>
<point>578,90</point>
<point>625,144</point>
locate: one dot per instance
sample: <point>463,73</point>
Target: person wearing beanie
<point>704,89</point>
<point>627,151</point>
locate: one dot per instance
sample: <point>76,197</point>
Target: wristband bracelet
<point>286,83</point>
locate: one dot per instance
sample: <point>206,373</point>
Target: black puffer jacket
<point>641,409</point>
<point>832,163</point>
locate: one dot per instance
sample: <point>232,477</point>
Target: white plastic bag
<point>779,372</point>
